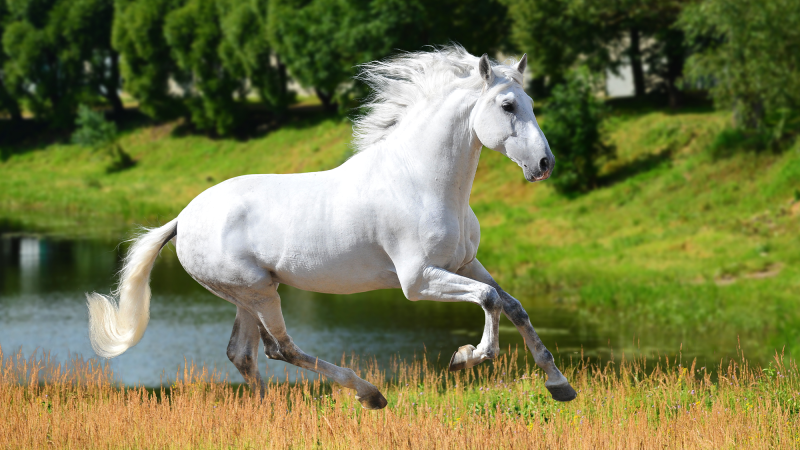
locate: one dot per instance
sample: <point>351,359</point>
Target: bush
<point>95,132</point>
<point>572,127</point>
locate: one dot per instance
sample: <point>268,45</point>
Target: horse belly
<point>343,273</point>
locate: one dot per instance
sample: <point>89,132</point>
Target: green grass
<point>678,239</point>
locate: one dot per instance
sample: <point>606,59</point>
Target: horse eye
<point>508,107</point>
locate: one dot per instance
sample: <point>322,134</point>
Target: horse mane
<point>401,81</point>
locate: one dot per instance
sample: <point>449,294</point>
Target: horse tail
<point>117,322</point>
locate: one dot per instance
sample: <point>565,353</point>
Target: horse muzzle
<point>541,171</point>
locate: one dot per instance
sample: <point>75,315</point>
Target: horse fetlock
<point>274,353</point>
<point>468,356</point>
<point>488,353</point>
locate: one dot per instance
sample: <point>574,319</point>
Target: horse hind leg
<point>269,313</point>
<point>243,349</point>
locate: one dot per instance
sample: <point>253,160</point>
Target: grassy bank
<point>685,236</point>
<point>496,405</point>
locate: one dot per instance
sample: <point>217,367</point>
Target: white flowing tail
<point>117,325</point>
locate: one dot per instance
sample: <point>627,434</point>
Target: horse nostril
<point>544,164</point>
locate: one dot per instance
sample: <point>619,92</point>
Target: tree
<point>194,37</point>
<point>322,41</point>
<point>87,33</point>
<point>59,53</point>
<point>750,50</point>
<point>572,126</point>
<point>246,52</point>
<point>146,61</point>
<point>599,34</point>
<point>43,76</point>
<point>199,57</point>
<point>7,101</point>
<point>557,35</point>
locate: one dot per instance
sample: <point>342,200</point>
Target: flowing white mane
<point>402,81</point>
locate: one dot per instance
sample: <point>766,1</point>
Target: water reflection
<point>42,306</point>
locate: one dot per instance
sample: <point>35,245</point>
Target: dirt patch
<point>769,272</point>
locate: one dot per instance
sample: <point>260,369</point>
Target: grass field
<point>495,405</point>
<point>687,234</point>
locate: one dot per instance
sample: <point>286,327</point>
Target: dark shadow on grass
<point>259,121</point>
<point>692,101</point>
<point>26,135</point>
<point>11,226</point>
<point>638,166</point>
<point>29,135</point>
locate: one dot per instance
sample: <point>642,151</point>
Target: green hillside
<point>682,234</point>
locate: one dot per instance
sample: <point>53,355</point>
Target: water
<point>42,308</point>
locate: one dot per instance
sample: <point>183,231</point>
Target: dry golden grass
<point>500,405</point>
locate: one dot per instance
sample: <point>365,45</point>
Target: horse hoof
<point>562,392</point>
<point>461,358</point>
<point>373,401</point>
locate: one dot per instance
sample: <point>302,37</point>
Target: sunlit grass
<point>495,405</point>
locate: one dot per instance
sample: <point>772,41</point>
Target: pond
<point>42,309</point>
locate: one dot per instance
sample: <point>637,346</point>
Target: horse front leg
<point>556,383</point>
<point>434,283</point>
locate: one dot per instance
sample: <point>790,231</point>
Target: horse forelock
<point>400,82</point>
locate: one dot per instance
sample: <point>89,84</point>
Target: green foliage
<point>600,34</point>
<point>749,51</point>
<point>572,128</point>
<point>95,132</point>
<point>246,53</point>
<point>555,33</point>
<point>194,36</point>
<point>8,102</point>
<point>322,41</point>
<point>32,40</point>
<point>147,64</point>
<point>199,57</point>
<point>58,53</point>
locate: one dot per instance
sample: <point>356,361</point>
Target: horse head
<point>503,121</point>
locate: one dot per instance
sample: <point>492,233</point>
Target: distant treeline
<point>206,59</point>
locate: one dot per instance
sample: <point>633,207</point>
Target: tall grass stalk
<point>44,404</point>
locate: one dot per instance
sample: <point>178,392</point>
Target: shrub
<point>572,127</point>
<point>94,131</point>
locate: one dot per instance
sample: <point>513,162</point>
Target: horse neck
<point>439,148</point>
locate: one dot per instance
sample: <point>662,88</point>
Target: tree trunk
<point>10,104</point>
<point>283,88</point>
<point>676,57</point>
<point>326,99</point>
<point>538,87</point>
<point>635,55</point>
<point>112,86</point>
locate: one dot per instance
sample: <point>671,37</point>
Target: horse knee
<point>491,301</point>
<point>239,358</point>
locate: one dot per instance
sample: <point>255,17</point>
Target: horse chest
<point>450,241</point>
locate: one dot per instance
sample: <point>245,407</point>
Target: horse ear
<point>523,63</point>
<point>485,69</point>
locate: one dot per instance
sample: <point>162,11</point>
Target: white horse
<point>395,215</point>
